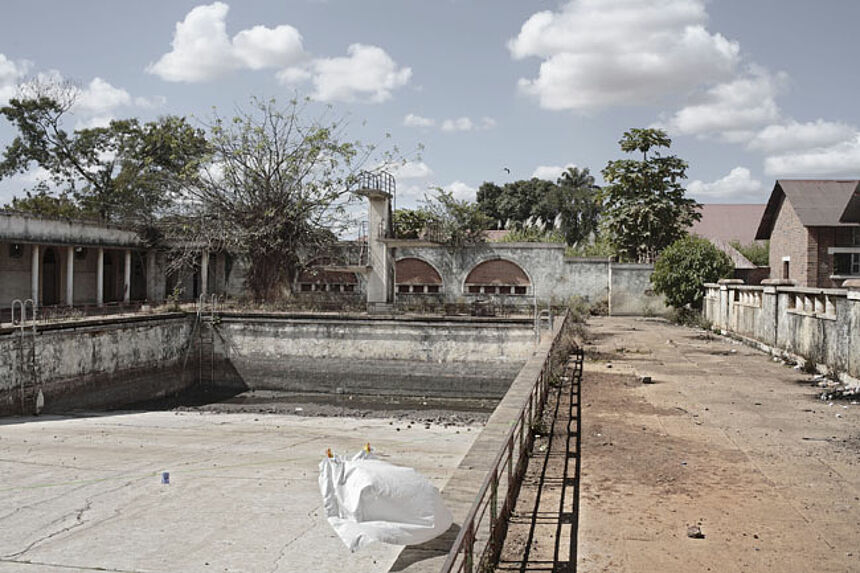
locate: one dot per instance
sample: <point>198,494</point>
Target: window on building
<point>497,277</point>
<point>855,236</point>
<point>321,276</point>
<point>414,276</point>
<point>846,263</point>
<point>785,269</point>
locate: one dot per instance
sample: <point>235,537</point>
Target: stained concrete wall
<point>554,278</point>
<point>29,229</point>
<point>819,325</point>
<point>631,291</point>
<point>109,362</point>
<point>467,358</point>
<point>94,363</point>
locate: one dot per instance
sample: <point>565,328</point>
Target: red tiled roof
<point>729,222</point>
<point>495,235</point>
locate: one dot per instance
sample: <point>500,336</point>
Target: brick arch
<point>497,276</point>
<point>416,276</point>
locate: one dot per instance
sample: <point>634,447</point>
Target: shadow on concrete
<point>438,547</point>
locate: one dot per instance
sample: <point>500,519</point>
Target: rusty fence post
<point>468,551</point>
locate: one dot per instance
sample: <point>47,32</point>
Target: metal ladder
<point>542,317</point>
<point>206,307</point>
<point>26,368</point>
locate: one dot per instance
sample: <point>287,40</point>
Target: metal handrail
<point>519,435</point>
<point>22,305</point>
<point>377,180</point>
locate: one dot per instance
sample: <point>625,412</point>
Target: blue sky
<point>749,91</point>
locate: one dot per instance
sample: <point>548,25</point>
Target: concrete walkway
<point>85,494</point>
<point>724,441</point>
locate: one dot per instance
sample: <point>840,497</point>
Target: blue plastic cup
<point>165,477</point>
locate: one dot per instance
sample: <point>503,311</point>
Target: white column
<point>204,271</point>
<point>34,275</point>
<point>70,276</point>
<point>100,277</point>
<point>126,280</point>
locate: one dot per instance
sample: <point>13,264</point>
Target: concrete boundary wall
<point>94,363</point>
<point>467,358</point>
<point>817,325</point>
<point>554,278</point>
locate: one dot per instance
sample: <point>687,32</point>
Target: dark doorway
<point>138,277</point>
<point>109,279</point>
<point>50,277</point>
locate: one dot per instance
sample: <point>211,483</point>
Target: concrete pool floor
<point>84,493</point>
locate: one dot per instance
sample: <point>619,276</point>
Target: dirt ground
<point>404,410</point>
<point>726,461</point>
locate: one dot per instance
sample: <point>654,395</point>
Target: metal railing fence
<point>477,546</point>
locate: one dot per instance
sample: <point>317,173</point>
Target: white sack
<point>367,500</point>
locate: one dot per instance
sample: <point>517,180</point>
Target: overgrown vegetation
<point>757,252</point>
<point>685,266</point>
<point>444,219</point>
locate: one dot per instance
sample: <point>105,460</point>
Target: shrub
<point>757,252</point>
<point>686,265</point>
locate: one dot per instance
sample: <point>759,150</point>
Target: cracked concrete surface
<point>84,493</point>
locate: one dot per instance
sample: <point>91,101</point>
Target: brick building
<point>814,231</point>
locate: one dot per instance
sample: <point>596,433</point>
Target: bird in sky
<point>508,171</point>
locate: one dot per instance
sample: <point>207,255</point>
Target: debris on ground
<point>695,532</point>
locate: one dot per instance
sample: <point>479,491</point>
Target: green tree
<point>516,201</point>
<point>43,203</point>
<point>645,208</point>
<point>125,171</point>
<point>575,203</point>
<point>409,223</point>
<point>685,266</point>
<point>571,205</point>
<point>275,191</point>
<point>455,223</point>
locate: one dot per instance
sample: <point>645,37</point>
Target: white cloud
<point>597,54</point>
<point>733,109</point>
<point>408,196</point>
<point>11,74</point>
<point>150,102</point>
<point>461,191</point>
<point>203,51</point>
<point>411,170</point>
<point>793,136</point>
<point>839,160</point>
<point>262,47</point>
<point>94,104</point>
<point>101,97</point>
<point>738,184</point>
<point>366,72</point>
<point>466,124</point>
<point>293,75</point>
<point>413,120</point>
<point>459,124</point>
<point>550,172</point>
